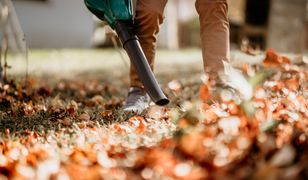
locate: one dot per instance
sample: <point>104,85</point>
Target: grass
<point>69,73</point>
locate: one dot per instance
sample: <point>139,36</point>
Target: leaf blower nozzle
<point>132,47</point>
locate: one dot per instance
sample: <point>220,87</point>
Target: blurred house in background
<point>279,24</point>
<point>55,23</point>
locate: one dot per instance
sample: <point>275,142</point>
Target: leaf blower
<point>119,16</point>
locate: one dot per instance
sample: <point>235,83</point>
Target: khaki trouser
<point>214,32</point>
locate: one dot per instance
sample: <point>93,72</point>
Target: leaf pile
<point>77,130</point>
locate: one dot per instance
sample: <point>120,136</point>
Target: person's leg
<point>148,17</point>
<point>214,33</point>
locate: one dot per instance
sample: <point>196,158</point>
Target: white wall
<point>186,11</point>
<point>55,23</point>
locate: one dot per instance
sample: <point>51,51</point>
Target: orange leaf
<point>278,86</point>
<point>210,116</point>
<point>191,145</point>
<point>204,92</point>
<point>245,68</point>
<point>118,129</point>
<point>273,59</point>
<point>183,123</point>
<point>139,122</point>
<point>31,159</point>
<point>292,84</point>
<point>106,113</point>
<point>233,108</point>
<point>162,161</point>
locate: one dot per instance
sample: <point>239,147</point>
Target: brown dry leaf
<point>191,144</point>
<point>204,92</point>
<point>66,121</point>
<point>284,134</point>
<point>162,161</point>
<point>72,108</point>
<point>183,123</point>
<point>118,129</point>
<point>35,156</point>
<point>31,159</point>
<point>79,172</point>
<point>167,143</point>
<point>44,91</point>
<point>97,99</point>
<point>84,117</point>
<point>210,116</point>
<point>82,125</point>
<point>233,108</point>
<point>27,108</point>
<point>273,59</point>
<point>79,157</point>
<point>278,86</point>
<point>293,84</point>
<point>106,113</point>
<point>139,122</point>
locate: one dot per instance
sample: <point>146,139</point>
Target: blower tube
<point>132,47</point>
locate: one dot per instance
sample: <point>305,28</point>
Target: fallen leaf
<point>273,59</point>
<point>84,117</point>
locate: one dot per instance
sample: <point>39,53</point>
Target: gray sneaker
<point>137,101</point>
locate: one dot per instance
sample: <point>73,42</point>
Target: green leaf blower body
<point>119,16</point>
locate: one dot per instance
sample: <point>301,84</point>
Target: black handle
<point>132,46</point>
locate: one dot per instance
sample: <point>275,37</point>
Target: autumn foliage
<point>77,130</point>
